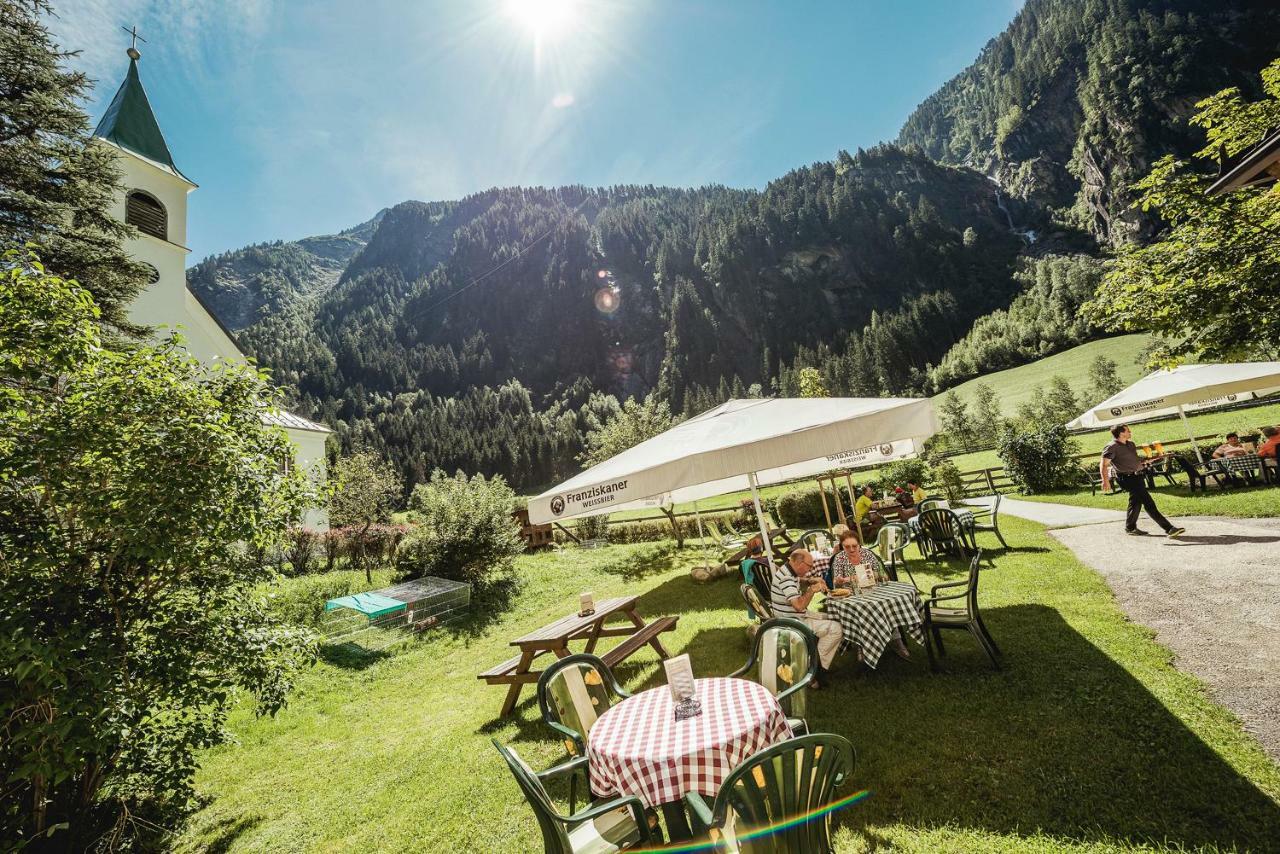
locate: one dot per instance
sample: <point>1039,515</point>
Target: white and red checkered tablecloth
<point>639,748</point>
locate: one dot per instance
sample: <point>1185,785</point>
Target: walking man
<point>1123,454</point>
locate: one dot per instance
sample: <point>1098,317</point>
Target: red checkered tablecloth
<point>639,748</point>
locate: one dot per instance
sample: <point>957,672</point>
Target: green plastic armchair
<point>614,825</point>
<point>784,659</point>
<point>961,613</point>
<point>754,809</point>
<point>573,693</point>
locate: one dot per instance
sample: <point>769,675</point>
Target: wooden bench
<point>516,672</point>
<point>647,635</point>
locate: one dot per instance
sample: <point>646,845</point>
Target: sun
<point>545,19</point>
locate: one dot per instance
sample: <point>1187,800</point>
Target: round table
<point>874,617</point>
<point>639,748</point>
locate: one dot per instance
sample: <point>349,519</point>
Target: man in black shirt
<point>1123,454</point>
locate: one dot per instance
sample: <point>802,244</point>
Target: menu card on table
<point>587,603</point>
<point>864,576</point>
<point>680,681</point>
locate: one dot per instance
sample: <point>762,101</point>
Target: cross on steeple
<point>133,48</point>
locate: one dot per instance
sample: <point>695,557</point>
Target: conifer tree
<point>55,187</point>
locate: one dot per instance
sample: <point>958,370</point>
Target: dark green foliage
<point>947,481</point>
<point>1043,319</point>
<point>594,527</point>
<point>648,530</point>
<point>902,472</point>
<point>1076,98</point>
<point>130,618</point>
<point>464,530</point>
<point>802,508</point>
<point>56,189</point>
<point>1104,379</point>
<point>1040,460</point>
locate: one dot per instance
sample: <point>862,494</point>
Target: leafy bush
<point>902,472</point>
<point>651,530</point>
<point>946,479</point>
<point>300,548</point>
<point>803,508</point>
<point>465,530</point>
<point>592,527</point>
<point>372,546</point>
<point>1040,460</point>
<point>132,477</point>
<point>331,543</point>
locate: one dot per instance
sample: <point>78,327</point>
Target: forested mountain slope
<point>490,333</point>
<point>1074,101</point>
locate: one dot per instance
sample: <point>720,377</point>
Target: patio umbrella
<point>740,445</point>
<point>1184,389</point>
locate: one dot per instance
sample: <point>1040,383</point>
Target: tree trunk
<point>675,527</point>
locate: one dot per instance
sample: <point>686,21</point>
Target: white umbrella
<point>740,445</point>
<point>1184,389</point>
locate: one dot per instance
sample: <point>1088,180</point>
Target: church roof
<point>130,123</point>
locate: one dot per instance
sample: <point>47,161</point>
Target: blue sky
<point>301,117</point>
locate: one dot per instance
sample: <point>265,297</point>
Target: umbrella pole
<point>764,525</point>
<point>1190,435</point>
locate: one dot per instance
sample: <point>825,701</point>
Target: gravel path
<point>1212,596</point>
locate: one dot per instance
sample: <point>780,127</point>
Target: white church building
<point>154,201</point>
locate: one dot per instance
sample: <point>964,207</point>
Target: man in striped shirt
<point>790,594</point>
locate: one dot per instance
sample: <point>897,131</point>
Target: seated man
<point>790,594</point>
<point>1270,442</point>
<point>1233,447</point>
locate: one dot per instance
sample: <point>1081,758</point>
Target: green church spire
<point>129,122</point>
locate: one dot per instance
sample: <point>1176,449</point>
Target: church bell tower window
<point>144,212</point>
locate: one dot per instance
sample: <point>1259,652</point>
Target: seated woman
<point>851,553</point>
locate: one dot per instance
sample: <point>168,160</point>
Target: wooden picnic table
<point>554,638</point>
<point>778,538</point>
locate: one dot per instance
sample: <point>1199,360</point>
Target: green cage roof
<point>370,604</point>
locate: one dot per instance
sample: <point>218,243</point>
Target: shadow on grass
<point>489,604</point>
<point>1064,742</point>
<point>351,655</point>
<point>223,835</point>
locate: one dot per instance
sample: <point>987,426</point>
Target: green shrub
<point>592,527</point>
<point>1040,460</point>
<point>802,508</point>
<point>300,548</point>
<point>465,530</point>
<point>902,472</point>
<point>652,530</point>
<point>946,480</point>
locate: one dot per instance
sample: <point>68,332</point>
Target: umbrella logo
<point>1115,410</point>
<point>886,450</point>
<point>557,505</point>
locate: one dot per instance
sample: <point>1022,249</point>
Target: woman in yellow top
<point>917,493</point>
<point>862,508</point>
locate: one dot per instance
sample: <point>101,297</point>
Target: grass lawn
<point>1174,501</point>
<point>1089,740</point>
<point>1016,385</point>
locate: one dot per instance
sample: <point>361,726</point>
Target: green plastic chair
<point>758,607</point>
<point>788,780</point>
<point>573,693</point>
<point>614,825</point>
<point>965,615</point>
<point>892,542</point>
<point>784,659</point>
<point>992,515</point>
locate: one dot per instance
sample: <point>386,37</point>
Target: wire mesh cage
<point>378,618</point>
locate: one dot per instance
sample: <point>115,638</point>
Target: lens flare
<point>608,300</point>
<point>602,274</point>
<point>760,832</point>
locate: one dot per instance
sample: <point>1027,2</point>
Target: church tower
<point>155,202</point>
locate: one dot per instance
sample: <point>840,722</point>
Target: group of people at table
<point>795,584</point>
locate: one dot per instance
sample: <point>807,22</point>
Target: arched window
<point>144,212</point>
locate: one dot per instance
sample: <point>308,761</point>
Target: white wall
<point>310,459</point>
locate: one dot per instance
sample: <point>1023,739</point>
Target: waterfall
<point>1027,234</point>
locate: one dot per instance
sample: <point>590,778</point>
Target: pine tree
<point>55,187</point>
<point>1064,405</point>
